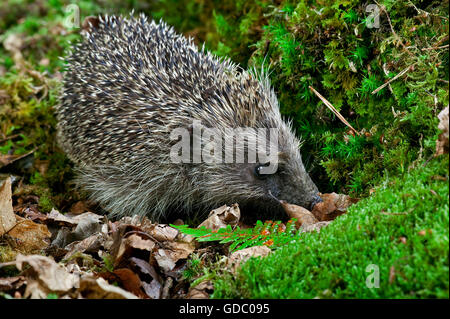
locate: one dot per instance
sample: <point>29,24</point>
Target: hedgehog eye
<point>258,171</point>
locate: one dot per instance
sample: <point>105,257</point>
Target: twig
<point>9,138</point>
<point>333,109</point>
<point>435,48</point>
<point>393,79</point>
<point>425,12</point>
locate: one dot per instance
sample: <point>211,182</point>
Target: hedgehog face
<point>290,182</point>
<point>258,192</point>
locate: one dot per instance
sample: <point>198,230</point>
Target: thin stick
<point>333,109</point>
<point>392,80</point>
<point>435,48</point>
<point>9,138</point>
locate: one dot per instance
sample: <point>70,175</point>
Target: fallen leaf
<point>90,244</point>
<point>28,236</point>
<point>50,275</point>
<point>127,247</point>
<point>137,242</point>
<point>99,288</point>
<point>302,215</point>
<point>73,219</point>
<point>332,206</point>
<point>164,260</point>
<point>127,279</point>
<point>201,291</point>
<point>11,283</point>
<point>86,224</point>
<point>241,256</point>
<point>222,217</point>
<point>33,214</point>
<point>179,250</point>
<point>7,217</point>
<point>152,289</point>
<point>145,268</point>
<point>35,290</point>
<point>164,232</point>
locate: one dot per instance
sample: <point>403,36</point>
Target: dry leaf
<point>302,215</point>
<point>164,260</point>
<point>127,279</point>
<point>152,289</point>
<point>50,275</point>
<point>200,291</point>
<point>29,236</point>
<point>145,268</point>
<point>91,244</point>
<point>87,224</point>
<point>333,205</point>
<point>99,288</point>
<point>35,290</point>
<point>7,217</point>
<point>73,219</point>
<point>241,256</point>
<point>164,232</point>
<point>128,245</point>
<point>137,242</point>
<point>11,283</point>
<point>222,217</point>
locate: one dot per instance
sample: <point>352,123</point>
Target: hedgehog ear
<point>90,23</point>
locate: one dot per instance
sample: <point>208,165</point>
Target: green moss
<point>403,229</point>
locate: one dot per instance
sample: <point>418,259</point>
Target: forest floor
<point>392,243</point>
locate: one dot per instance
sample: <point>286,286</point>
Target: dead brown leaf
<point>201,291</point>
<point>164,260</point>
<point>333,205</point>
<point>302,215</point>
<point>163,232</point>
<point>127,279</point>
<point>73,219</point>
<point>241,256</point>
<point>50,276</point>
<point>12,283</point>
<point>7,217</point>
<point>152,289</point>
<point>90,244</point>
<point>222,217</point>
<point>28,236</point>
<point>99,288</point>
<point>128,246</point>
<point>144,268</point>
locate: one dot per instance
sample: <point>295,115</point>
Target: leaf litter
<point>81,254</point>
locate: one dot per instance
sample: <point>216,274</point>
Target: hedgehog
<point>129,84</point>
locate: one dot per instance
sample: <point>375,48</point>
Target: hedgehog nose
<point>316,199</point>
